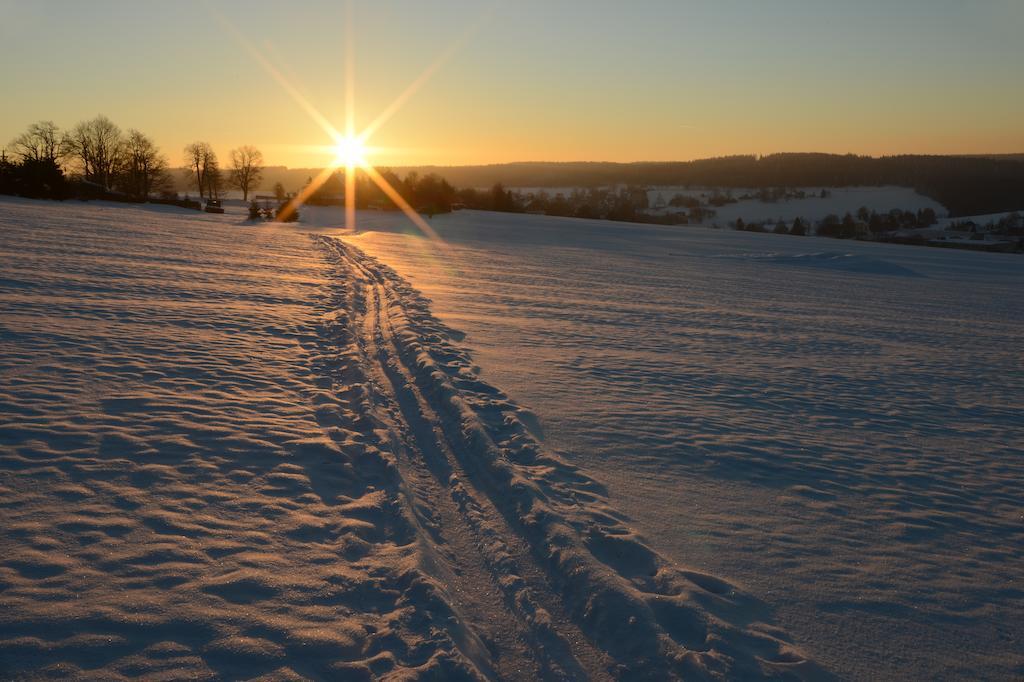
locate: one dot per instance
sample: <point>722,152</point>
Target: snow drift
<point>233,451</point>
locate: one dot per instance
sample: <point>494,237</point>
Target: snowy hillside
<point>234,451</point>
<point>835,425</point>
<point>840,201</point>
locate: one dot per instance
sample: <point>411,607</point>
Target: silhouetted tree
<point>98,146</point>
<point>39,179</point>
<point>559,206</point>
<point>369,193</point>
<point>430,193</point>
<point>144,168</point>
<point>798,228</point>
<point>829,225</point>
<point>502,199</point>
<point>279,192</point>
<point>622,207</point>
<point>965,185</point>
<point>246,169</point>
<point>638,197</point>
<point>330,192</point>
<point>214,179</point>
<point>41,142</point>
<point>6,173</point>
<point>875,223</point>
<point>586,211</point>
<point>199,159</point>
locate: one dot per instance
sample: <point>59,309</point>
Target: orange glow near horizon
<point>479,82</point>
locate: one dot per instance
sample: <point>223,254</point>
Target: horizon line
<point>642,161</point>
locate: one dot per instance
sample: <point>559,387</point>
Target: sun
<point>349,151</point>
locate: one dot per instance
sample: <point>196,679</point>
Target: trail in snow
<point>511,519</point>
<point>230,451</point>
<point>184,492</point>
<point>838,431</point>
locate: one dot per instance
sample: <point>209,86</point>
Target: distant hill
<point>1003,157</point>
<point>966,185</point>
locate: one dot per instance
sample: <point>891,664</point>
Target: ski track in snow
<point>232,451</point>
<point>833,425</point>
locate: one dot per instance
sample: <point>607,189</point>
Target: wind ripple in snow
<point>833,260</point>
<point>461,440</point>
<point>182,492</point>
<point>846,446</point>
<point>224,455</point>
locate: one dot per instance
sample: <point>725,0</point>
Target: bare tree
<point>246,169</point>
<point>145,168</point>
<point>214,179</point>
<point>200,160</point>
<point>41,142</point>
<point>99,147</point>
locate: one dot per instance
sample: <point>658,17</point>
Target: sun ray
<point>355,156</point>
<point>350,70</point>
<point>425,76</point>
<point>350,148</point>
<point>269,67</point>
<point>350,197</point>
<point>400,201</point>
<point>293,204</point>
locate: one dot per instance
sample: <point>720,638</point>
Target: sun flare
<point>349,151</point>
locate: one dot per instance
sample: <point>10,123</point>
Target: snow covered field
<point>840,201</point>
<point>235,451</point>
<point>834,425</point>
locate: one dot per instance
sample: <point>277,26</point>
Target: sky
<point>527,80</point>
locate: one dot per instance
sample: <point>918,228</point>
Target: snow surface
<point>834,425</point>
<point>840,201</point>
<point>813,208</point>
<point>247,451</point>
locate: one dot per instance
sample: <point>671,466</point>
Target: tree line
<point>965,185</point>
<point>431,194</point>
<point>96,159</point>
<point>427,193</point>
<point>626,203</point>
